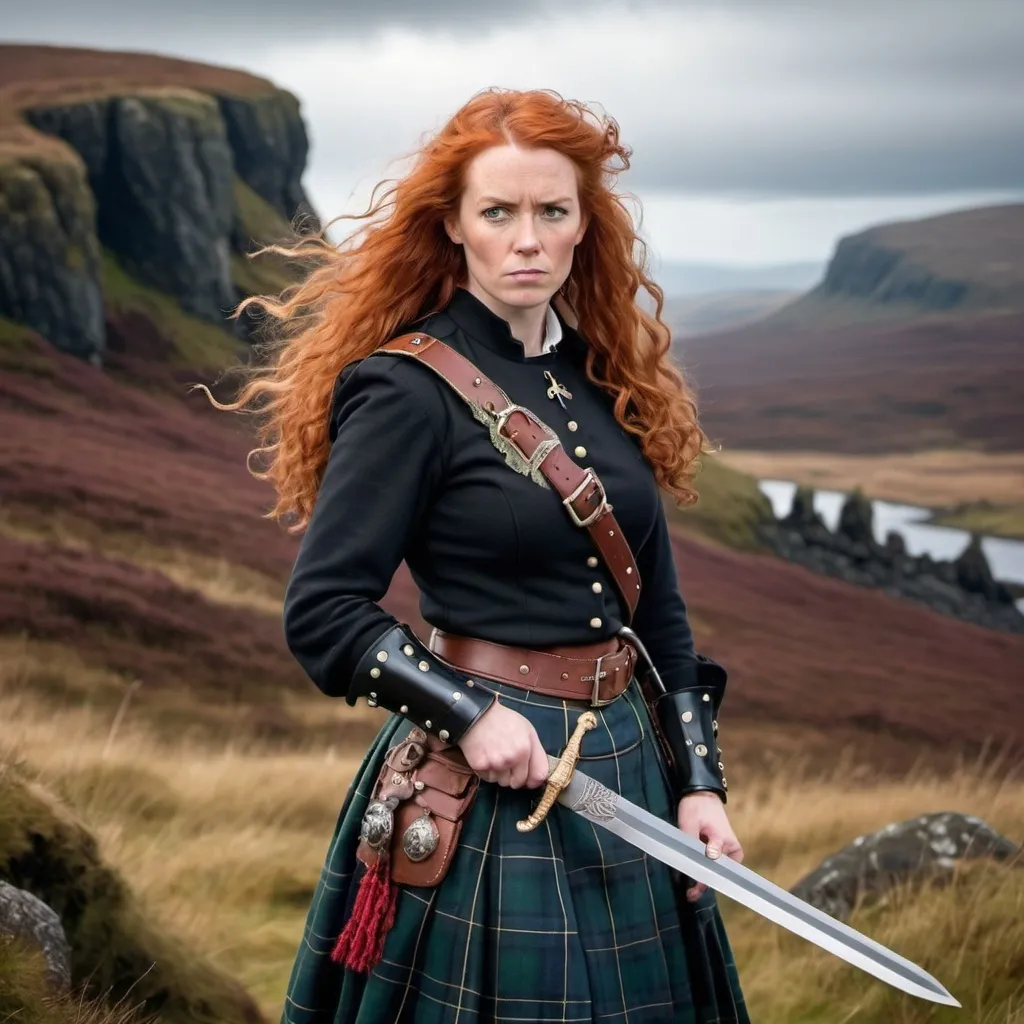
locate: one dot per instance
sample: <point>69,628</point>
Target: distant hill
<point>913,340</point>
<point>968,260</point>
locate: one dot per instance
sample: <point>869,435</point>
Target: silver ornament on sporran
<point>420,839</point>
<point>378,823</point>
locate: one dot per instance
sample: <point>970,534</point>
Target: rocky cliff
<point>169,184</point>
<point>970,259</point>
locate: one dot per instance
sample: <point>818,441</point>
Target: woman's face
<point>518,222</point>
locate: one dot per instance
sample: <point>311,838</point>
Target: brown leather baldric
<point>582,493</point>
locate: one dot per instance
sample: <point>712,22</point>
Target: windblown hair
<point>401,266</point>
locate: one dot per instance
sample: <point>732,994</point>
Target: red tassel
<point>361,943</point>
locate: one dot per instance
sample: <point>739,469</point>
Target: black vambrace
<point>687,721</point>
<point>401,674</point>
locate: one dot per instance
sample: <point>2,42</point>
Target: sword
<point>649,833</point>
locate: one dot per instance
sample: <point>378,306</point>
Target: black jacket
<point>412,475</point>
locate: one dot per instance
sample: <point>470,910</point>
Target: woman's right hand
<point>502,746</point>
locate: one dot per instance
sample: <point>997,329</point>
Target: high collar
<point>494,332</point>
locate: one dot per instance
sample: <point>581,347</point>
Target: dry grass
<point>931,478</point>
<point>217,579</point>
<point>222,843</point>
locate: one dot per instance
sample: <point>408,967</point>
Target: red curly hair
<point>401,266</point>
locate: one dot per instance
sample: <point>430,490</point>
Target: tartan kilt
<point>566,923</point>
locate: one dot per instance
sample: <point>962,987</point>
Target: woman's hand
<point>502,746</point>
<point>702,815</point>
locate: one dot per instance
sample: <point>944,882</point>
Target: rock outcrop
<point>920,849</point>
<point>160,168</point>
<point>963,588</point>
<point>171,184</point>
<point>49,252</point>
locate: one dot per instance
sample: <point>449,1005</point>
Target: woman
<point>503,239</point>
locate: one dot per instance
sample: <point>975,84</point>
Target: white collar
<point>552,331</point>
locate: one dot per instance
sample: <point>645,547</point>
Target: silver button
<point>456,695</point>
<point>580,452</point>
<point>423,666</point>
<point>573,425</point>
<point>686,716</point>
<point>408,649</point>
<point>596,588</point>
<point>443,734</point>
<point>706,697</point>
<point>382,655</point>
<point>595,622</point>
<point>524,670</point>
<point>592,561</point>
<point>700,750</point>
<point>375,672</point>
<point>426,724</point>
<point>404,709</point>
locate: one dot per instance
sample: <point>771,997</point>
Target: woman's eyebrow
<point>498,201</point>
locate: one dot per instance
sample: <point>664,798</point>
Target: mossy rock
<point>116,951</point>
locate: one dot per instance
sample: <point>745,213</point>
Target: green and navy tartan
<point>566,923</point>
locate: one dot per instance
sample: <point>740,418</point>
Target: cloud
<point>736,100</point>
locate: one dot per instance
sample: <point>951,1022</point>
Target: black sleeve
<point>385,463</point>
<point>661,619</point>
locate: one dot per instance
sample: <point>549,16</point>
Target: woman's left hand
<point>702,815</point>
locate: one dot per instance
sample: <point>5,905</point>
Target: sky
<point>762,130</point>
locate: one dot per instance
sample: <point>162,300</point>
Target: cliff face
<point>49,252</point>
<point>175,184</point>
<point>971,259</point>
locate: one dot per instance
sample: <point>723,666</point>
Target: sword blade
<point>674,847</point>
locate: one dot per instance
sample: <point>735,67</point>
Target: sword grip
<point>561,772</point>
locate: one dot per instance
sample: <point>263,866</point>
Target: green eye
<point>492,209</point>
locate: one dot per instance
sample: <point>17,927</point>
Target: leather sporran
<point>419,802</point>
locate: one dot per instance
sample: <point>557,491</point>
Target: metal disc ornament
<point>420,839</point>
<point>378,822</point>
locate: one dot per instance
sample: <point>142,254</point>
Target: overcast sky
<point>762,129</point>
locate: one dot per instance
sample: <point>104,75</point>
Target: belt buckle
<point>595,700</point>
<point>603,507</point>
<point>544,449</point>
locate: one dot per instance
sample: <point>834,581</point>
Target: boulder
<point>856,520</point>
<point>924,848</point>
<point>801,515</point>
<point>27,917</point>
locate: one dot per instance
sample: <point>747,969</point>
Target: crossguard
<point>561,772</point>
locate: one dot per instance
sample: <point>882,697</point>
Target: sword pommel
<point>561,772</point>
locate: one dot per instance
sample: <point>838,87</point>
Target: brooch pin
<point>556,390</point>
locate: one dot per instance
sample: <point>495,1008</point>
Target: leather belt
<point>596,673</point>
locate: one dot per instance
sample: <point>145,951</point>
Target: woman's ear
<point>584,221</point>
<point>451,228</point>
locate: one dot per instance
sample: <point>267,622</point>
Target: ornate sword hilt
<point>561,772</point>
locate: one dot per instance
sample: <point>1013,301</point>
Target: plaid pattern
<point>568,923</point>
